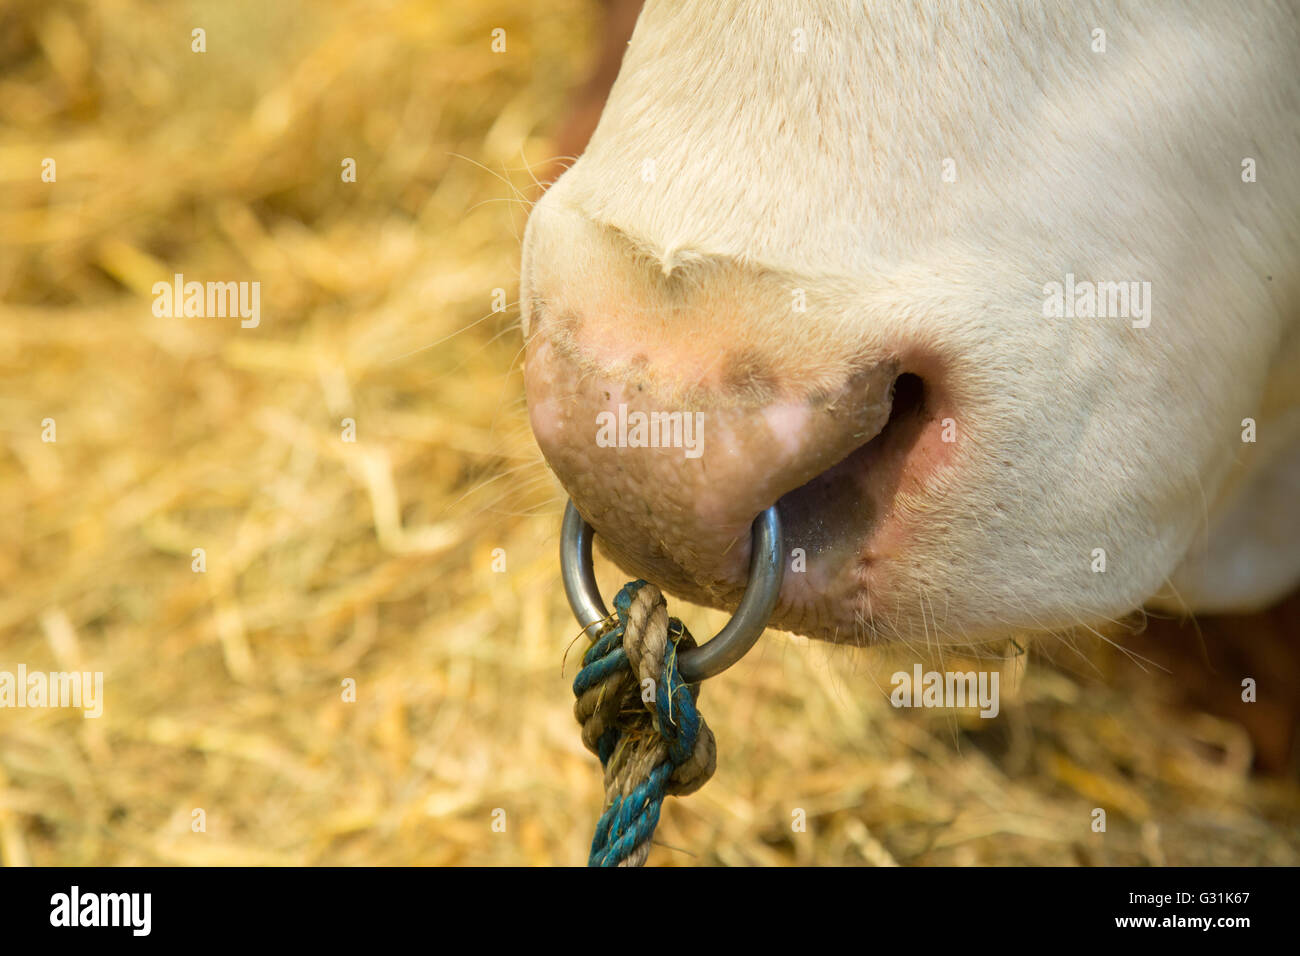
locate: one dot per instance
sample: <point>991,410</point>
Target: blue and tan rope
<point>639,717</point>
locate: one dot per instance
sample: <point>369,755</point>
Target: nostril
<point>908,398</point>
<point>832,515</point>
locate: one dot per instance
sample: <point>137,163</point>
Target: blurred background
<point>418,561</point>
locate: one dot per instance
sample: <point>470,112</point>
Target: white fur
<point>824,168</point>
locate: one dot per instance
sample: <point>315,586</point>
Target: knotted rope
<point>649,737</point>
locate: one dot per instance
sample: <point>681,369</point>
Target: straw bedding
<point>376,561</point>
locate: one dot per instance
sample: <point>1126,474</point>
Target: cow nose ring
<point>766,569</point>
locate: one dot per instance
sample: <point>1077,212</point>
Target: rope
<point>649,749</point>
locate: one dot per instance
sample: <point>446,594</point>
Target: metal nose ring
<point>766,569</point>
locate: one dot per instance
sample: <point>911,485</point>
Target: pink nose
<point>672,476</point>
<point>678,393</point>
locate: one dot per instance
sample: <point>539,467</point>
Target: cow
<point>994,302</point>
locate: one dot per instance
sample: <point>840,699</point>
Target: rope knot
<point>639,717</point>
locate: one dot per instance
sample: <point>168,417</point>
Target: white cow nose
<point>673,489</point>
<point>676,403</point>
